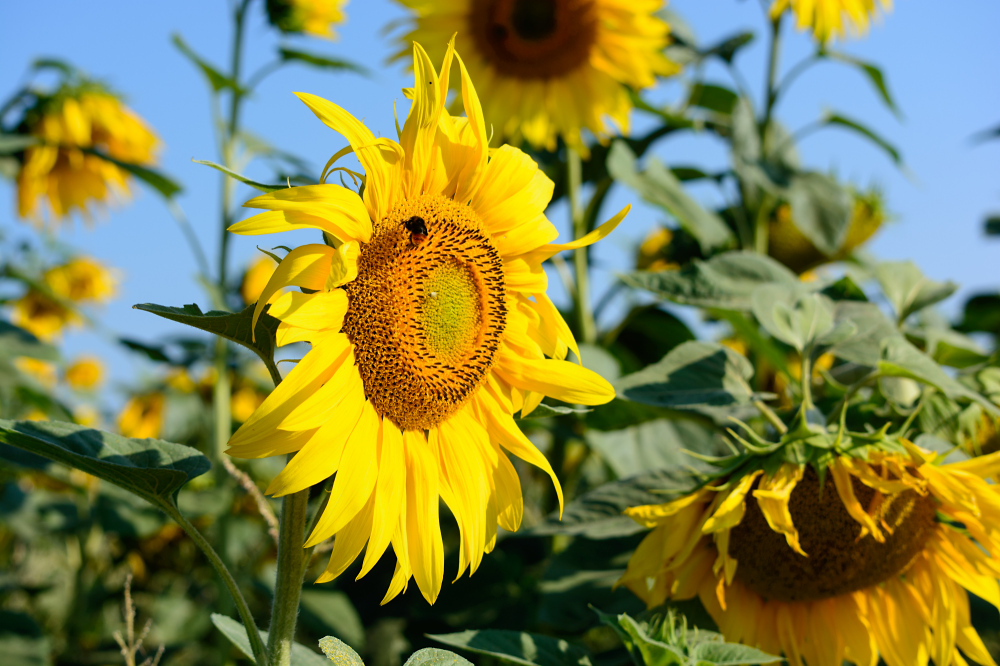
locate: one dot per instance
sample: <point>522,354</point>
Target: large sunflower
<point>870,559</point>
<point>831,19</point>
<point>429,327</point>
<point>550,68</point>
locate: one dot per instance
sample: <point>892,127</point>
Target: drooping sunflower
<point>313,17</point>
<point>60,172</point>
<point>551,68</point>
<point>870,558</point>
<point>430,328</point>
<point>832,19</point>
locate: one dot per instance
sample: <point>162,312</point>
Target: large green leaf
<point>693,374</point>
<point>301,655</point>
<point>22,642</point>
<point>150,468</point>
<point>901,359</point>
<point>655,445</point>
<point>338,652</point>
<point>660,187</point>
<point>713,97</point>
<point>517,647</point>
<point>331,611</point>
<point>726,281</point>
<point>821,209</point>
<point>797,318</point>
<point>872,329</point>
<point>235,326</point>
<point>908,289</point>
<point>436,657</point>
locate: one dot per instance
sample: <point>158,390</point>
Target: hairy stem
<point>288,586</point>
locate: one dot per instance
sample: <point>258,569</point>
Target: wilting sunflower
<point>831,19</point>
<point>429,327</point>
<point>871,558</point>
<point>60,172</point>
<point>46,313</point>
<point>313,17</point>
<point>551,68</point>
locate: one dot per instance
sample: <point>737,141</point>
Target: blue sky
<point>940,63</point>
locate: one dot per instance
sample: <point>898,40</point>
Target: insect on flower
<point>418,230</point>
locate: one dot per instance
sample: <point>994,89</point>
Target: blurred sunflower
<point>654,251</point>
<point>85,373</point>
<point>831,19</point>
<point>313,17</point>
<point>142,415</point>
<point>551,68</point>
<point>871,557</point>
<point>43,372</point>
<point>45,311</point>
<point>255,279</point>
<point>60,172</point>
<point>429,327</point>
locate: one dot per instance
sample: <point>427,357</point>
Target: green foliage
<point>301,655</point>
<point>517,647</point>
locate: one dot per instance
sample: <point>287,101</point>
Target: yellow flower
<point>313,17</point>
<point>86,415</point>
<point>875,565</point>
<point>42,371</point>
<point>831,19</point>
<point>654,251</point>
<point>80,280</point>
<point>429,327</point>
<point>789,246</point>
<point>65,177</point>
<point>255,278</point>
<point>142,416</point>
<point>85,373</point>
<point>551,68</point>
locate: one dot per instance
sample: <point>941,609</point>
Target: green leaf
<point>15,341</point>
<point>987,135</point>
<point>991,226</point>
<point>844,289</point>
<point>543,411</point>
<point>730,654</point>
<point>843,121</point>
<point>655,445</point>
<point>215,78</point>
<point>229,325</point>
<point>150,468</point>
<point>339,652</point>
<point>645,335</point>
<point>243,179</point>
<point>237,635</point>
<point>821,209</point>
<point>948,347</point>
<point>902,359</point>
<point>873,327</point>
<point>726,281</point>
<point>712,97</point>
<point>331,611</point>
<point>660,187</point>
<point>158,181</point>
<point>873,73</point>
<point>325,62</point>
<point>981,313</point>
<point>693,374</point>
<point>15,143</point>
<point>799,319</point>
<point>908,289</point>
<point>653,652</point>
<point>729,47</point>
<point>436,657</point>
<point>517,647</point>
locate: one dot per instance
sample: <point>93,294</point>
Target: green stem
<point>585,317</point>
<point>771,417</point>
<point>256,645</point>
<point>288,586</point>
<point>772,77</point>
<point>222,398</point>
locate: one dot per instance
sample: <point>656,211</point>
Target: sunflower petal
<point>561,380</point>
<point>423,529</point>
<point>306,266</point>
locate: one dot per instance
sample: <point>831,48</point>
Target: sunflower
<point>45,311</point>
<point>870,557</point>
<point>61,172</point>
<point>550,68</point>
<point>255,278</point>
<point>831,19</point>
<point>313,17</point>
<point>85,373</point>
<point>142,415</point>
<point>429,327</point>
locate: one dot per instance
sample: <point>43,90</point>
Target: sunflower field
<point>592,334</point>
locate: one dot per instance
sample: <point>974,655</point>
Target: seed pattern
<point>426,318</point>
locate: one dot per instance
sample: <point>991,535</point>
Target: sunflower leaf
<point>821,209</point>
<point>235,326</point>
<point>322,61</point>
<point>436,657</point>
<point>237,635</point>
<point>908,289</point>
<point>216,79</point>
<point>260,187</point>
<point>863,130</point>
<point>517,647</point>
<point>873,73</point>
<point>901,359</point>
<point>150,468</point>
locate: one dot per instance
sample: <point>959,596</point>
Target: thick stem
<point>288,586</point>
<point>585,317</point>
<point>222,398</point>
<point>256,645</point>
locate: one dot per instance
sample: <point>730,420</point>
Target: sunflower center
<point>426,313</point>
<point>838,562</point>
<point>534,39</point>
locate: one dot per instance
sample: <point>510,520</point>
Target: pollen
<point>427,311</point>
<point>839,560</point>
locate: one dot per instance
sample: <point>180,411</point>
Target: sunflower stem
<point>288,586</point>
<point>772,78</point>
<point>585,316</point>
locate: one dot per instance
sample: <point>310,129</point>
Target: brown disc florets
<point>427,311</point>
<point>534,39</point>
<point>838,561</point>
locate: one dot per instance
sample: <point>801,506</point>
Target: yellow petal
<point>842,481</point>
<point>772,496</point>
<point>591,238</point>
<point>730,511</point>
<point>338,205</point>
<point>344,267</point>
<point>390,491</point>
<point>316,312</point>
<point>423,529</point>
<point>510,503</point>
<point>561,380</point>
<point>349,542</point>
<point>342,395</point>
<point>306,266</point>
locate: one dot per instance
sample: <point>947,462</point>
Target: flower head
<point>313,17</point>
<point>429,327</point>
<point>831,19</point>
<point>85,373</point>
<point>47,312</point>
<point>551,68</point>
<point>61,172</point>
<point>870,556</point>
<point>142,415</point>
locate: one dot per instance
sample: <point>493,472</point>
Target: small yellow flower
<point>873,560</point>
<point>550,68</point>
<point>255,279</point>
<point>831,19</point>
<point>313,17</point>
<point>42,371</point>
<point>180,380</point>
<point>81,280</point>
<point>142,415</point>
<point>245,400</point>
<point>85,373</point>
<point>654,251</point>
<point>62,175</point>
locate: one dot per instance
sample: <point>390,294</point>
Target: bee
<point>418,230</point>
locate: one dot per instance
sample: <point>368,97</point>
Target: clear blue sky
<point>940,61</point>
